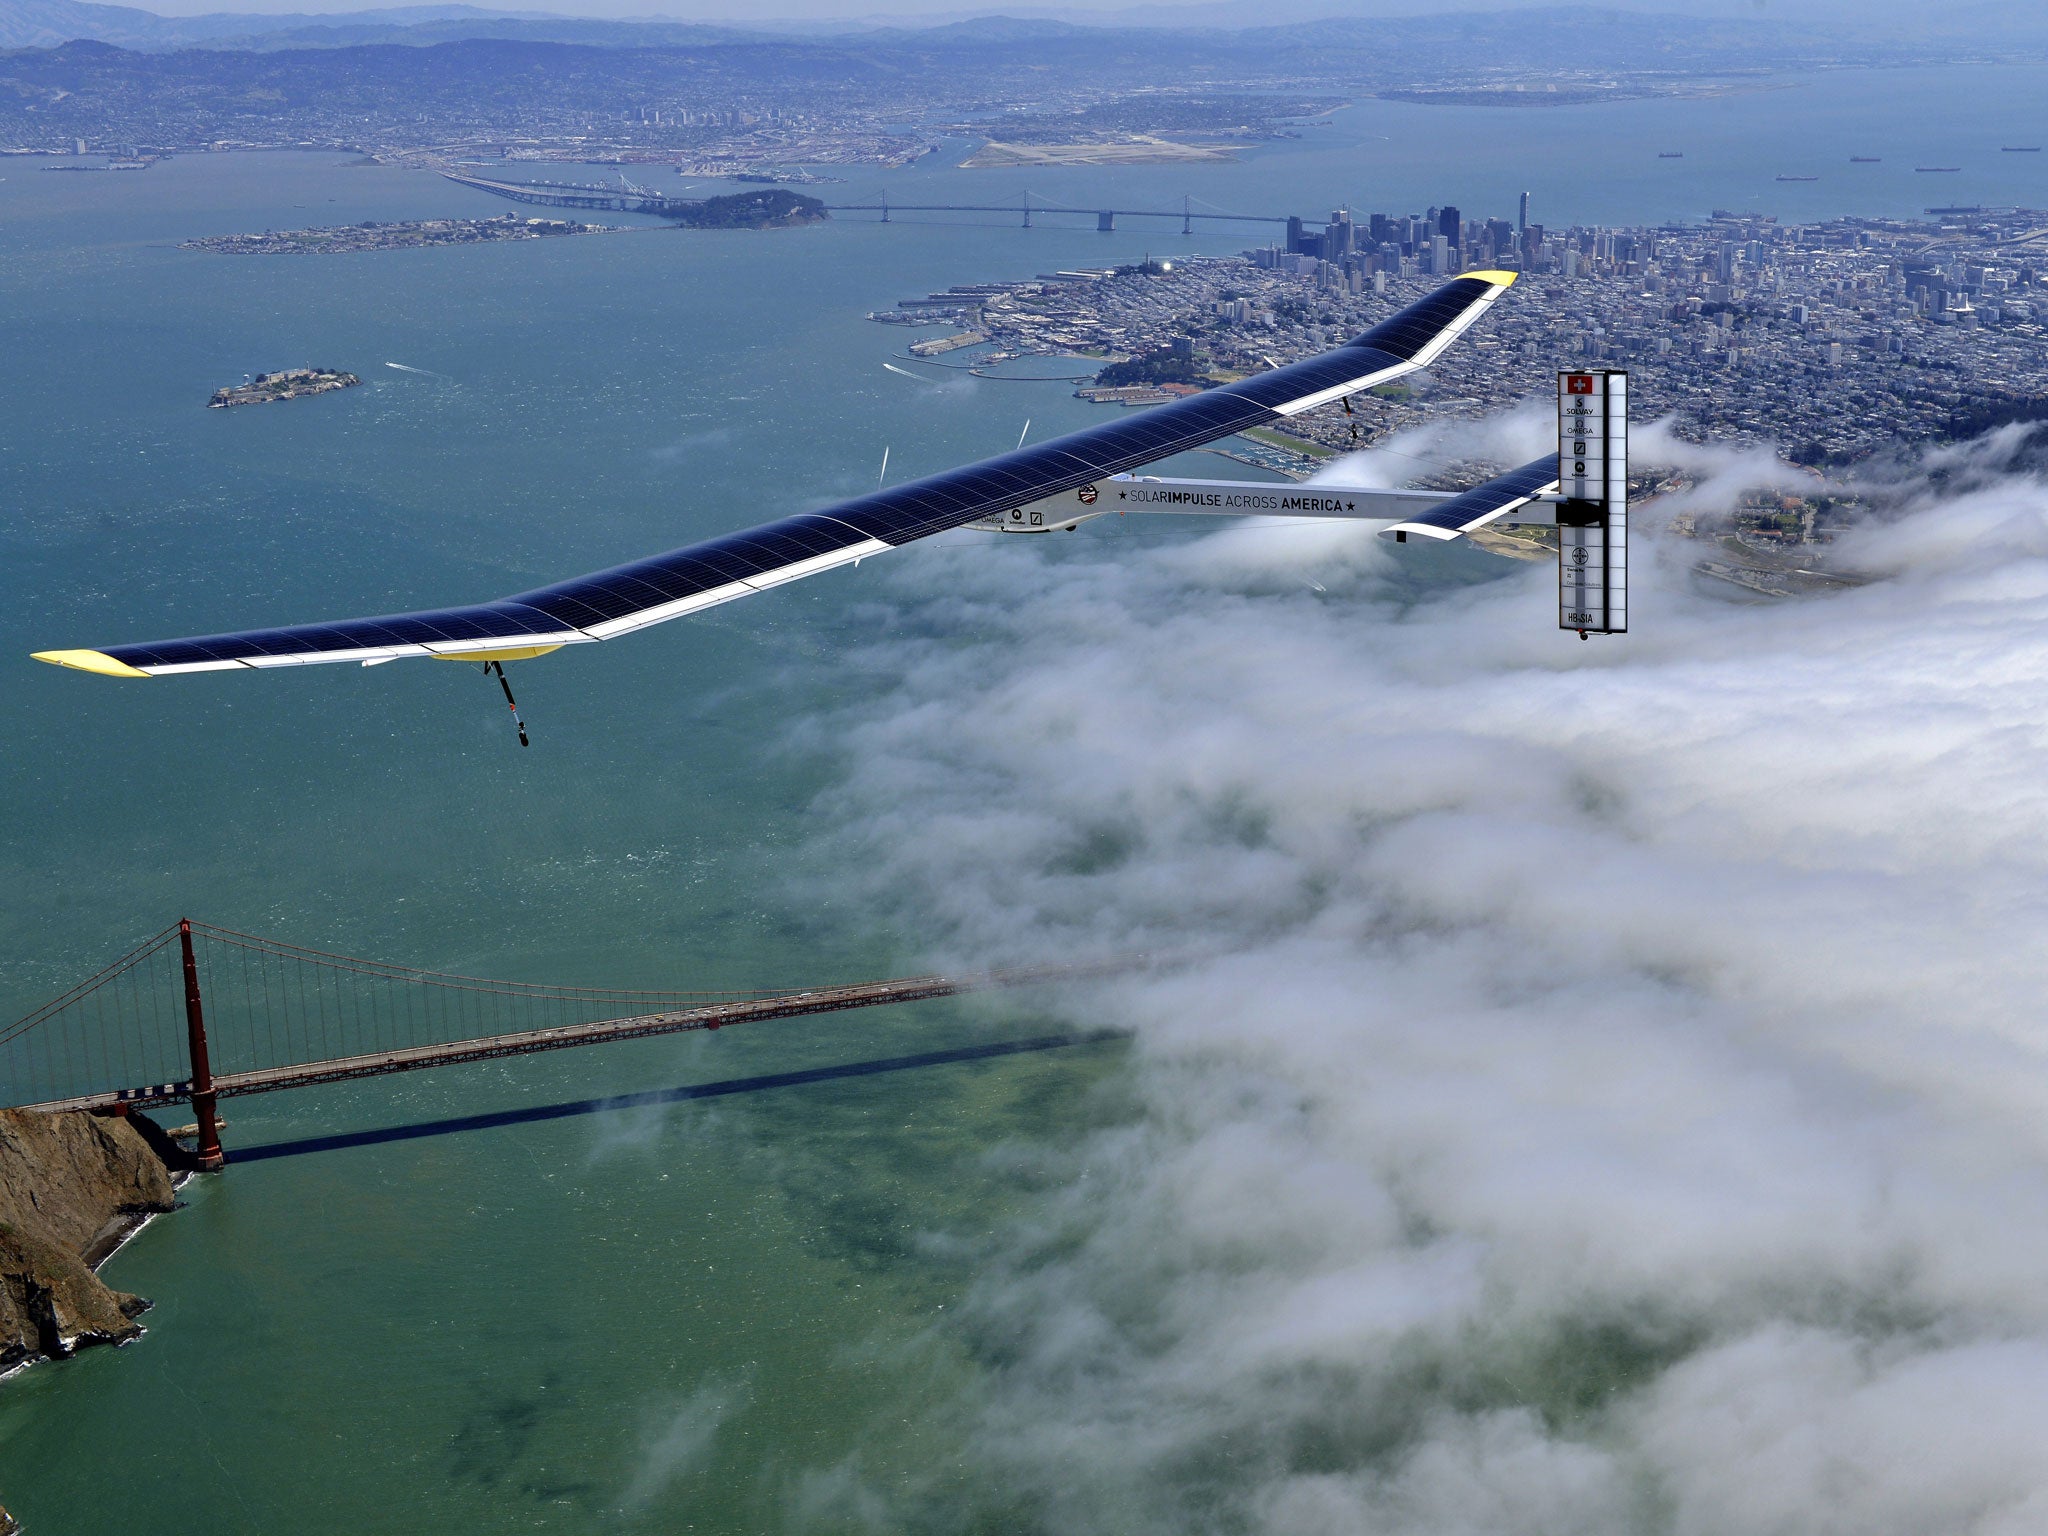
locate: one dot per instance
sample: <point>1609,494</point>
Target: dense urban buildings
<point>1831,341</point>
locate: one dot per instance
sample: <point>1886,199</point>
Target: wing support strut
<point>497,669</point>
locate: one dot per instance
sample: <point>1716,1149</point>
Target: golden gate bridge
<point>199,1013</point>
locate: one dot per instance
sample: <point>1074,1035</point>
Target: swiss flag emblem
<point>1578,384</point>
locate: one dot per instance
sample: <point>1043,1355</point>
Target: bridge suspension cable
<point>199,1012</point>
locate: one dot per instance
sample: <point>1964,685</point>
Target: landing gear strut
<point>497,668</point>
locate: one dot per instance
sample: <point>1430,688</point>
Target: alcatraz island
<point>286,385</point>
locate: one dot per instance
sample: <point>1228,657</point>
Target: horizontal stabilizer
<point>1482,504</point>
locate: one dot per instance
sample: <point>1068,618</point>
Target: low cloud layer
<point>1610,1096</point>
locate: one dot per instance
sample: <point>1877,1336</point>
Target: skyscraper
<point>1522,216</point>
<point>1340,236</point>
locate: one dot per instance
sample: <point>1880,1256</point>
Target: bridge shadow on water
<point>538,1112</point>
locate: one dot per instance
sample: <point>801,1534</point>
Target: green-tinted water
<point>484,1330</point>
<point>679,1319</point>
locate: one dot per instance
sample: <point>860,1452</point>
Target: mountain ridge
<point>49,23</point>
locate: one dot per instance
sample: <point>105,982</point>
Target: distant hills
<point>47,23</point>
<point>1360,51</point>
<point>1984,27</point>
<point>561,81</point>
<point>465,76</point>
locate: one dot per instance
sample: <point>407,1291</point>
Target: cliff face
<point>70,1187</point>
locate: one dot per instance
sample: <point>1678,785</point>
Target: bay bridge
<point>199,1013</point>
<point>1105,218</point>
<point>628,197</point>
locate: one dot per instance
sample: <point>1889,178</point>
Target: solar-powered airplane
<point>1054,485</point>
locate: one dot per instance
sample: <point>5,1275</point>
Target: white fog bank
<point>1615,1095</point>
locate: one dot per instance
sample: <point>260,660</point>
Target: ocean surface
<point>648,1319</point>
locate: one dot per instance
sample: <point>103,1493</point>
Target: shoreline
<point>75,1189</point>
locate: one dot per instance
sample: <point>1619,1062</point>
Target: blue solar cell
<point>876,518</point>
<point>819,533</point>
<point>594,599</point>
<point>759,551</point>
<point>739,555</point>
<point>577,610</point>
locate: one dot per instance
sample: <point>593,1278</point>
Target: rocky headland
<point>72,1187</point>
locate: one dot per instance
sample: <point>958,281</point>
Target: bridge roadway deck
<point>557,194</point>
<point>1045,208</point>
<point>789,1005</point>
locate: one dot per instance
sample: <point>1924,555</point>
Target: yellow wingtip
<point>90,661</point>
<point>1504,279</point>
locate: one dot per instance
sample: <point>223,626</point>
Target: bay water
<point>680,1318</point>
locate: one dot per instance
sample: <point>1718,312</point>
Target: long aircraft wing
<point>610,603</point>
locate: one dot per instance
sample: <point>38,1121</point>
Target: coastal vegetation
<point>767,208</point>
<point>1167,365</point>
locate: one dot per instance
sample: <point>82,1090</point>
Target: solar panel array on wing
<point>404,632</point>
<point>948,501</point>
<point>955,497</point>
<point>696,568</point>
<point>1483,503</point>
<point>1412,330</point>
<point>1332,370</point>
